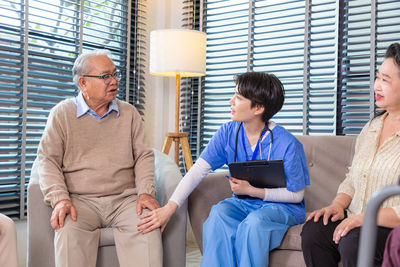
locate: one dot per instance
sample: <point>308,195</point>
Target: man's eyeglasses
<point>107,77</point>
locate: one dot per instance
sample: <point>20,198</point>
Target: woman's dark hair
<point>263,89</point>
<point>393,51</point>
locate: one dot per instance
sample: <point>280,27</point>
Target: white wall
<point>160,91</point>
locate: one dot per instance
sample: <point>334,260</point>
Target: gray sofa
<point>328,159</point>
<point>40,234</point>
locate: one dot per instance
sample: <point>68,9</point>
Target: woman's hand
<point>346,225</point>
<point>157,218</point>
<point>240,187</point>
<point>334,210</point>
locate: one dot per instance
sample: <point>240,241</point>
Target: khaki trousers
<point>8,242</point>
<point>76,244</point>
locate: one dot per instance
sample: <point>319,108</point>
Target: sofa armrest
<point>214,188</point>
<point>40,234</point>
<point>167,176</point>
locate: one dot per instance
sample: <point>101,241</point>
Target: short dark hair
<point>263,89</point>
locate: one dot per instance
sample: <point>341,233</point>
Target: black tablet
<point>260,173</point>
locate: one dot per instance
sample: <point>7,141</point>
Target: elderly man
<point>96,171</point>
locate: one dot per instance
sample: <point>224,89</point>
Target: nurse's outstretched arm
<point>160,217</point>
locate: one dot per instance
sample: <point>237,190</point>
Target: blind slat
<point>53,44</point>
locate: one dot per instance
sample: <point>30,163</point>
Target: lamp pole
<point>177,103</point>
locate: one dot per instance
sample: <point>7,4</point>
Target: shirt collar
<point>82,108</point>
<point>377,124</point>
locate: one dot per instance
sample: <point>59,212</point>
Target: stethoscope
<point>266,128</point>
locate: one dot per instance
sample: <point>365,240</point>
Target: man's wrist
<point>62,201</point>
<point>55,198</point>
<point>146,193</point>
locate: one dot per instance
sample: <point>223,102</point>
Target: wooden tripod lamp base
<point>183,140</point>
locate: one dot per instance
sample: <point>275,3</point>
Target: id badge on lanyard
<point>257,146</point>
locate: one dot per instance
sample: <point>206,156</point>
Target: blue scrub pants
<point>239,233</point>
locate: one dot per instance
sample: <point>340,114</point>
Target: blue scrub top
<point>221,150</point>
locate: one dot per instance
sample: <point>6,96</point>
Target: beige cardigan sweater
<point>372,168</point>
<point>92,157</point>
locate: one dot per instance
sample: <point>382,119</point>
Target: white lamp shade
<point>178,51</point>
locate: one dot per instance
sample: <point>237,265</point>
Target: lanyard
<point>258,143</point>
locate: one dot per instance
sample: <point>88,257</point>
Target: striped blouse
<point>372,168</point>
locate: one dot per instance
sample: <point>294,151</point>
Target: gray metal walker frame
<point>366,250</point>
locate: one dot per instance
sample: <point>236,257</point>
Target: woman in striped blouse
<point>331,234</point>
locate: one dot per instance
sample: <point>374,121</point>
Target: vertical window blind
<point>371,26</point>
<point>277,37</point>
<point>39,41</point>
<point>320,76</point>
<point>227,26</point>
<point>137,56</point>
<point>355,101</point>
<point>189,103</point>
<point>325,52</point>
<point>11,81</point>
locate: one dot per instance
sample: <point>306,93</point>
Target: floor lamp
<point>178,53</point>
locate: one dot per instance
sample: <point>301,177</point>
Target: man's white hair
<point>80,64</point>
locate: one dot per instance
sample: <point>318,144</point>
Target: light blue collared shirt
<point>82,108</point>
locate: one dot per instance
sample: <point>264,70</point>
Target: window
<point>137,54</point>
<point>323,51</point>
<point>369,28</point>
<point>189,99</point>
<point>38,45</point>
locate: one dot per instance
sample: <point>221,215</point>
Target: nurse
<point>241,230</point>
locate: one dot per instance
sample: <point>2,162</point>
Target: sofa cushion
<point>328,160</point>
<point>292,239</point>
<point>286,258</point>
<point>106,237</point>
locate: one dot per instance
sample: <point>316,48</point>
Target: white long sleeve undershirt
<point>200,170</point>
<point>192,178</point>
<point>283,195</point>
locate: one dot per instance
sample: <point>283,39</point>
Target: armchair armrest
<point>167,176</point>
<point>40,234</point>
